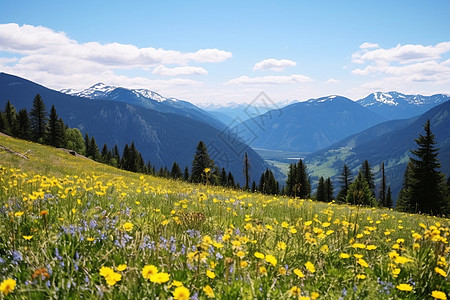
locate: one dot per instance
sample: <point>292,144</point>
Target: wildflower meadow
<point>76,230</point>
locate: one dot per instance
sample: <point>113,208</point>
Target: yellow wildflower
<point>7,286</point>
<point>181,293</point>
<point>404,287</point>
<point>439,295</point>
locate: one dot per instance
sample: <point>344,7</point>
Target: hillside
<point>161,137</point>
<point>308,126</point>
<point>388,142</point>
<point>73,228</point>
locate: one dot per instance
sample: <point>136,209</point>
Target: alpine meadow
<point>199,150</point>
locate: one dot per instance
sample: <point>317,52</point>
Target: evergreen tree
<point>246,171</point>
<point>38,118</point>
<point>368,175</point>
<point>389,203</point>
<point>3,123</point>
<point>346,180</point>
<point>11,119</point>
<point>359,192</point>
<point>267,183</point>
<point>382,197</point>
<point>23,121</point>
<point>176,173</point>
<point>223,177</point>
<point>329,190</point>
<point>104,154</point>
<point>427,190</point>
<point>321,193</point>
<point>230,180</point>
<point>55,131</point>
<point>297,183</point>
<point>87,145</point>
<point>93,150</point>
<point>253,187</point>
<point>200,163</point>
<point>404,202</point>
<point>186,174</point>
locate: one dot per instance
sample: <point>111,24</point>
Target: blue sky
<point>210,51</point>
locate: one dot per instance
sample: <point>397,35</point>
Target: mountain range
<point>161,130</point>
<point>389,142</point>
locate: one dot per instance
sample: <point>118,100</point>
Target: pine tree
<point>23,121</point>
<point>297,183</point>
<point>382,197</point>
<point>426,192</point>
<point>176,173</point>
<point>246,172</point>
<point>346,180</point>
<point>54,132</point>
<point>87,145</point>
<point>104,154</point>
<point>93,150</point>
<point>404,197</point>
<point>38,118</point>
<point>3,123</point>
<point>223,177</point>
<point>200,163</point>
<point>329,190</point>
<point>11,119</point>
<point>186,174</point>
<point>359,192</point>
<point>368,175</point>
<point>253,187</point>
<point>320,194</point>
<point>389,203</point>
<point>230,180</point>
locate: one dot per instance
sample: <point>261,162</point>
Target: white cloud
<point>162,70</point>
<point>274,64</point>
<point>402,54</point>
<point>296,78</point>
<point>368,45</point>
<point>332,80</point>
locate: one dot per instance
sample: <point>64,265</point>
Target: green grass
<point>83,216</point>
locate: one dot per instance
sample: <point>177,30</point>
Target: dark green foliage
<point>359,192</point>
<point>368,175</point>
<point>92,150</point>
<point>200,163</point>
<point>104,154</point>
<point>267,183</point>
<point>38,118</point>
<point>176,173</point>
<point>320,194</point>
<point>11,119</point>
<point>55,130</point>
<point>246,171</point>
<point>186,174</point>
<point>425,190</point>
<point>3,123</point>
<point>24,127</point>
<point>223,177</point>
<point>253,186</point>
<point>230,180</point>
<point>132,160</point>
<point>389,202</point>
<point>297,183</point>
<point>382,196</point>
<point>404,197</point>
<point>329,190</point>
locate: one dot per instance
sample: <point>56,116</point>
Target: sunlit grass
<point>72,228</point>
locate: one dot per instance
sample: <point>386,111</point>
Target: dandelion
<point>363,263</point>
<point>181,293</point>
<point>314,295</point>
<point>240,254</point>
<point>160,278</point>
<point>210,274</point>
<point>294,291</point>
<point>284,225</point>
<point>244,264</point>
<point>371,247</point>
<point>27,237</point>
<point>310,267</point>
<point>18,214</point>
<point>299,273</point>
<point>439,295</point>
<point>90,239</point>
<point>148,271</point>
<point>271,259</point>
<point>121,267</point>
<point>128,226</point>
<point>404,287</point>
<point>7,286</point>
<point>263,270</point>
<point>440,271</point>
<point>361,276</point>
<point>259,255</point>
<point>281,245</point>
<point>344,255</point>
<point>208,291</point>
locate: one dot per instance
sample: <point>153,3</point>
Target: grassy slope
<point>316,232</point>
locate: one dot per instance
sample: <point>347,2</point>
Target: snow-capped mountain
<point>145,98</point>
<point>395,105</point>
